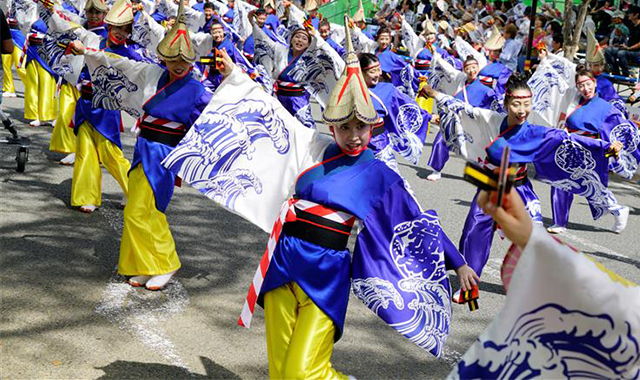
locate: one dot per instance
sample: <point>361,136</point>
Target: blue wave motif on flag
<point>564,338</point>
<point>204,158</point>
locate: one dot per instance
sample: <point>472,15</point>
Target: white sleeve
<point>202,43</point>
<point>411,39</point>
<point>444,77</point>
<point>195,19</point>
<point>362,43</point>
<point>464,49</point>
<point>240,19</point>
<point>147,32</point>
<point>120,83</point>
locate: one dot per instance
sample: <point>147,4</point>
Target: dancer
<point>496,73</point>
<point>403,125</point>
<point>40,82</point>
<point>306,288</point>
<point>467,87</point>
<point>63,138</point>
<point>595,118</point>
<point>14,59</point>
<point>98,129</point>
<point>170,100</point>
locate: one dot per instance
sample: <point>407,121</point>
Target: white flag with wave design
<point>245,151</point>
<point>565,316</point>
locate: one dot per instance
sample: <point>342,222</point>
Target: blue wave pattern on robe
<point>402,74</point>
<point>298,106</point>
<point>103,111</point>
<point>405,123</point>
<point>605,90</point>
<point>569,162</point>
<point>220,138</point>
<point>599,116</point>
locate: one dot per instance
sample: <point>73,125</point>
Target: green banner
<point>335,10</point>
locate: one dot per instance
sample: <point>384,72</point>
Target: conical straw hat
<point>594,52</point>
<point>177,43</point>
<point>310,5</point>
<point>350,98</point>
<point>359,16</point>
<point>99,5</point>
<point>121,13</point>
<point>495,41</point>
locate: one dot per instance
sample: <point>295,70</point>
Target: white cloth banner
<point>246,150</point>
<point>565,316</point>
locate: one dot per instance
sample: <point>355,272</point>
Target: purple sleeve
<point>453,259</point>
<point>398,269</point>
<point>200,105</point>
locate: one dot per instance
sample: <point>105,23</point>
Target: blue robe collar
<point>168,103</point>
<point>334,162</point>
<point>524,140</point>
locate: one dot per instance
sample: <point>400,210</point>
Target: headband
<point>589,78</point>
<point>468,62</point>
<point>509,94</point>
<point>371,66</point>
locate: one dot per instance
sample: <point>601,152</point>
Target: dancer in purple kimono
<point>292,95</point>
<point>269,24</point>
<point>471,91</point>
<point>400,257</point>
<point>170,100</point>
<point>596,118</point>
<point>403,125</point>
<point>496,73</point>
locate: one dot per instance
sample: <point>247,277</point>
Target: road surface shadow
<point>121,369</point>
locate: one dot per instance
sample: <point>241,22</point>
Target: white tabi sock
<point>160,281</point>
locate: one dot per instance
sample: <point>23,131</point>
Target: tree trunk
<point>571,33</point>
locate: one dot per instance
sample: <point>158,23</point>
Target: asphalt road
<point>66,315</point>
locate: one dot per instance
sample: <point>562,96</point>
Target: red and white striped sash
<point>287,214</point>
<point>150,121</point>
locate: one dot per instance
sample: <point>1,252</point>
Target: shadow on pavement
<point>121,369</point>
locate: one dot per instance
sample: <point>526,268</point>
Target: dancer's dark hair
<point>367,60</point>
<point>517,81</point>
<point>581,70</point>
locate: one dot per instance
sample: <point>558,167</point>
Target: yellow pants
<point>91,150</point>
<point>147,247</point>
<point>9,60</point>
<point>299,336</point>
<point>63,139</point>
<point>39,94</point>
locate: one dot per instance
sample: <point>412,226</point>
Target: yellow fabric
<point>9,60</point>
<point>426,104</point>
<point>39,94</point>
<point>92,149</point>
<point>63,139</point>
<point>147,247</point>
<point>299,336</point>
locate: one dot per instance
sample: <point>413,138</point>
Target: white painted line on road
<point>140,313</point>
<point>591,245</point>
